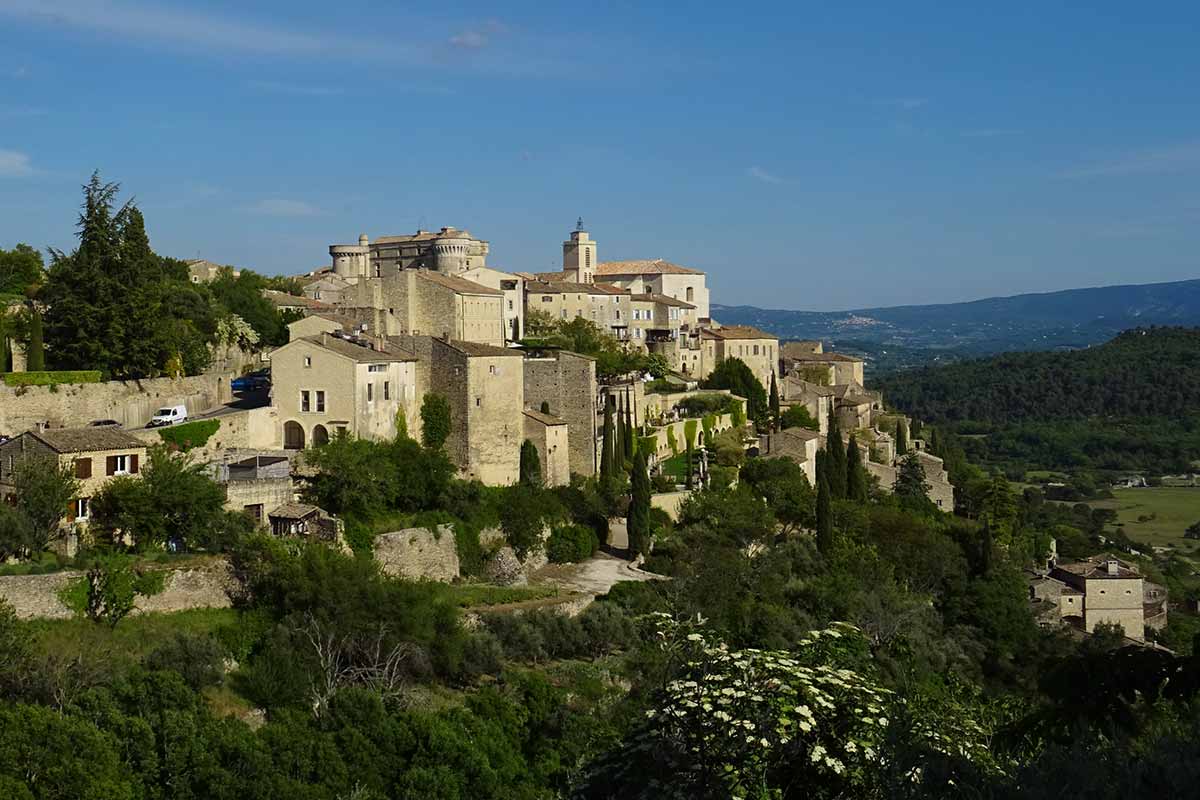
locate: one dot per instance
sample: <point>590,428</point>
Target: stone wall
<point>255,429</point>
<point>419,553</point>
<point>567,384</point>
<point>669,502</point>
<point>36,596</point>
<point>131,403</point>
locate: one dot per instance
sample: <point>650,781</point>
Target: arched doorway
<point>293,436</point>
<point>320,436</point>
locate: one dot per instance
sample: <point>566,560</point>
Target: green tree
<point>773,401</point>
<point>435,421</point>
<point>608,442</point>
<point>638,520</point>
<point>243,296</point>
<point>531,465</point>
<point>113,588</point>
<point>45,490</point>
<point>856,473</point>
<point>1193,531</point>
<point>35,354</point>
<point>16,533</point>
<point>21,269</point>
<point>910,479</point>
<point>627,429</point>
<point>835,457</point>
<point>785,487</point>
<point>798,416</point>
<point>824,512</point>
<point>734,375</point>
<point>901,438</point>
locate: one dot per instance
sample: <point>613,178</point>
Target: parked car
<point>104,423</point>
<point>170,415</point>
<point>251,382</point>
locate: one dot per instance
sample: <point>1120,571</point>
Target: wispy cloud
<point>274,87</point>
<point>760,174</point>
<point>478,37</point>
<point>1156,161</point>
<point>281,207</point>
<point>176,26</point>
<point>14,164</point>
<point>905,103</point>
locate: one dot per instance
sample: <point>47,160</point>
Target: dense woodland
<point>116,306</point>
<point>1130,404</point>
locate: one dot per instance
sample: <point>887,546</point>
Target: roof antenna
<point>579,224</point>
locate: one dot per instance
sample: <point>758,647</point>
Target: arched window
<point>320,435</point>
<point>691,294</point>
<point>293,435</point>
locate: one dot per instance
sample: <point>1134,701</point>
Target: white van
<point>171,415</point>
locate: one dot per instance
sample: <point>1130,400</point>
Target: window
<point>377,368</point>
<point>755,349</point>
<point>387,390</point>
<point>120,465</point>
<point>320,402</point>
<point>564,313</point>
<point>370,392</point>
<point>510,306</point>
<point>308,361</point>
<point>478,401</point>
<point>491,369</point>
<point>304,402</point>
<point>82,506</point>
<point>618,313</point>
<point>83,468</point>
<point>547,298</point>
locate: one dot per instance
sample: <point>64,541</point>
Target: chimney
<point>1113,567</point>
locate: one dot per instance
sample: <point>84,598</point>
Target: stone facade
<point>130,403</point>
<point>324,384</point>
<point>420,302</point>
<point>513,288</point>
<point>606,307</point>
<point>757,349</point>
<point>419,553</point>
<point>450,251</point>
<point>798,444</point>
<point>549,435</point>
<point>656,276</point>
<point>566,383</point>
<point>1112,591</point>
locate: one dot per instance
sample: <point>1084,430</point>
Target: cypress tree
<point>606,445</point>
<point>774,403</point>
<point>618,436</point>
<point>835,458</point>
<point>824,513</point>
<point>531,465</point>
<point>638,522</point>
<point>856,476</point>
<point>627,438</point>
<point>901,438</point>
<point>35,357</point>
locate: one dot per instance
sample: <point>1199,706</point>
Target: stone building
<point>424,303</point>
<point>1101,589</point>
<point>605,306</point>
<point>759,350</point>
<point>513,288</point>
<point>203,271</point>
<point>661,320</point>
<point>338,382</point>
<point>821,367</point>
<point>255,484</point>
<point>95,455</point>
<point>550,436</point>
<point>449,251</point>
<point>566,383</point>
<point>798,444</point>
<point>656,276</point>
<point>815,397</point>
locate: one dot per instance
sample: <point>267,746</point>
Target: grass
<point>132,639</point>
<point>676,467</point>
<point>1170,510</point>
<point>190,434</point>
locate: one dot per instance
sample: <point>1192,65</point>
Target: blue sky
<point>806,156</point>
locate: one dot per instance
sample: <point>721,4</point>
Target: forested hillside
<point>1132,403</point>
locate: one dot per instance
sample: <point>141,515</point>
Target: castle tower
<point>352,261</point>
<point>451,249</point>
<point>579,256</point>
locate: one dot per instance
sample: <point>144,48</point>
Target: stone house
<point>419,302</point>
<point>800,347</point>
<point>201,270</point>
<point>291,302</point>
<point>95,455</point>
<point>328,287</point>
<point>335,382</point>
<point>817,398</point>
<point>854,412</point>
<point>818,367</point>
<point>255,484</point>
<point>798,444</point>
<point>758,349</point>
<point>323,322</point>
<point>550,436</point>
<point>513,287</point>
<point>604,305</point>
<point>1101,589</point>
<point>305,521</point>
<point>661,320</point>
<point>657,276</point>
<point>566,383</point>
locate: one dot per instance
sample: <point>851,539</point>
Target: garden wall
<point>419,553</point>
<point>130,403</point>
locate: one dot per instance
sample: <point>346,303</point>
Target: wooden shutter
<point>111,463</point>
<point>83,468</point>
<point>133,464</point>
<point>71,510</point>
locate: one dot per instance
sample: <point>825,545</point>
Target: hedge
<point>190,434</point>
<point>51,378</point>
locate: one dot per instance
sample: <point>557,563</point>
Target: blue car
<point>250,383</point>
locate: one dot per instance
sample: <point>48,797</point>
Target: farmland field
<point>1165,512</point>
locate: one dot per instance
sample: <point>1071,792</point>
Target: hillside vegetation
<point>1133,403</point>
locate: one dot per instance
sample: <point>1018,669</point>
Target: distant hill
<point>1132,403</point>
<point>903,336</point>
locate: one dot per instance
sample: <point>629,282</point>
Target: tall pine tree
<point>835,459</point>
<point>607,441</point>
<point>627,431</point>
<point>638,522</point>
<point>824,511</point>
<point>856,474</point>
<point>774,403</point>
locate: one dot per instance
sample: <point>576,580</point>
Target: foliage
<point>835,457</point>
<point>856,473</point>
<point>524,516</point>
<point>531,465</point>
<point>785,487</point>
<point>51,378</point>
<point>773,402</point>
<point>21,269</point>
<point>242,297</point>
<point>637,521</point>
<point>198,658</point>
<point>824,510</point>
<point>608,441</point>
<point>113,587</point>
<point>16,533</point>
<point>911,486</point>
<point>727,448</point>
<point>735,516</point>
<point>35,355</point>
<point>699,405</point>
<point>190,435</point>
<point>571,543</point>
<point>435,421</point>
<point>901,438</point>
<point>798,416</point>
<point>734,375</point>
<point>44,489</point>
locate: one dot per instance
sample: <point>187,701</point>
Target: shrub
<point>700,405</point>
<point>198,658</point>
<point>607,627</point>
<point>481,655</point>
<point>571,543</point>
<point>518,636</point>
<point>51,378</point>
<point>190,434</point>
